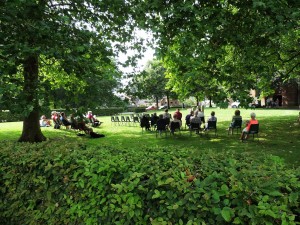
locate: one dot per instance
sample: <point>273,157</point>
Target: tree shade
<point>46,44</point>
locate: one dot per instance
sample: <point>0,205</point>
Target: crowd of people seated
<point>165,121</point>
<point>195,118</point>
<point>77,123</point>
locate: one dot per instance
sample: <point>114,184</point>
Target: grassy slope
<point>278,135</point>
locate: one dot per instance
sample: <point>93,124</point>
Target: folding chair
<point>237,124</point>
<point>194,127</point>
<point>95,123</point>
<point>112,120</point>
<point>123,121</point>
<point>211,125</point>
<point>145,123</point>
<point>127,120</point>
<point>117,120</point>
<point>136,120</point>
<point>174,126</point>
<point>161,127</point>
<point>254,129</point>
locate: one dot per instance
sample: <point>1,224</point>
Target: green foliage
<point>150,83</point>
<point>62,182</point>
<point>61,53</point>
<point>225,47</point>
<point>9,117</point>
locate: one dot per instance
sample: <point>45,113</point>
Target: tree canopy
<point>218,48</point>
<point>149,83</point>
<point>47,45</point>
<point>226,46</point>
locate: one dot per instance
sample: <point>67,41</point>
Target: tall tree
<point>150,83</point>
<point>74,35</point>
<point>240,44</point>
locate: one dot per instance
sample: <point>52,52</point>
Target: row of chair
<point>211,126</point>
<point>125,120</point>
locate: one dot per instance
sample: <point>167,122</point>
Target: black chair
<point>136,120</point>
<point>211,125</point>
<point>174,126</point>
<point>194,127</point>
<point>127,120</point>
<point>254,129</point>
<point>187,121</point>
<point>161,126</point>
<point>145,123</point>
<point>112,120</point>
<point>95,123</point>
<point>123,121</point>
<point>117,120</point>
<point>237,124</point>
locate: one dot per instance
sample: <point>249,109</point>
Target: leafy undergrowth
<point>63,182</point>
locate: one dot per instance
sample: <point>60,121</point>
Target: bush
<point>58,182</point>
<point>137,109</point>
<point>7,116</point>
<point>107,111</point>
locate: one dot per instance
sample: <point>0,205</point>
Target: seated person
<point>188,118</point>
<point>82,126</point>
<point>178,114</point>
<point>175,120</point>
<point>211,118</point>
<point>145,122</point>
<point>236,117</point>
<point>248,124</point>
<point>95,122</point>
<point>201,115</point>
<point>55,119</point>
<point>161,124</point>
<point>154,119</point>
<point>167,116</point>
<point>64,120</point>
<point>74,123</point>
<point>195,118</point>
<point>44,122</point>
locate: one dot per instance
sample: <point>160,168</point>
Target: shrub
<point>58,182</point>
<point>7,116</point>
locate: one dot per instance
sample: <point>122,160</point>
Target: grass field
<point>279,135</point>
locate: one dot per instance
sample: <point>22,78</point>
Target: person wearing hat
<point>245,131</point>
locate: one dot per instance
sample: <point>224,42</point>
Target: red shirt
<point>252,121</point>
<point>178,115</point>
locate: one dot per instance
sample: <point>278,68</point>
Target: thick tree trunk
<point>156,99</point>
<point>31,127</point>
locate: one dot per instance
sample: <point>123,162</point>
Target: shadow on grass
<point>278,136</point>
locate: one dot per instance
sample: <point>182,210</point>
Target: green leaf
<point>275,193</point>
<point>226,214</point>
<point>157,194</point>
<point>169,180</point>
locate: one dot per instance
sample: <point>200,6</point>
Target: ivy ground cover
<point>130,177</point>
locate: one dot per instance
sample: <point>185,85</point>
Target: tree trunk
<point>168,100</point>
<point>31,127</point>
<point>197,101</point>
<point>156,99</point>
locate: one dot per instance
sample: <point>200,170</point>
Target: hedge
<point>7,116</point>
<point>63,182</point>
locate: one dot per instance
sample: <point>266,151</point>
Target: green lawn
<point>279,135</point>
